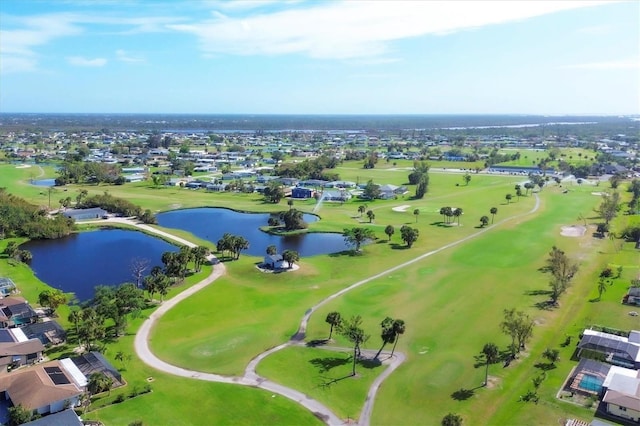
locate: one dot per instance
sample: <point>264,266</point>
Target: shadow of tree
<point>545,366</point>
<point>317,342</point>
<point>537,292</point>
<point>545,305</point>
<point>396,246</point>
<point>326,364</point>
<point>370,363</point>
<point>462,394</point>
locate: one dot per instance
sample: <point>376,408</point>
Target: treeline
<point>89,172</point>
<point>116,205</point>
<point>310,169</point>
<point>19,218</point>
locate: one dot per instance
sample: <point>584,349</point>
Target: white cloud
<point>357,29</point>
<point>124,56</point>
<point>606,65</point>
<point>85,62</point>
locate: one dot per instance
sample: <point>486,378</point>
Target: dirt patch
<point>175,206</point>
<point>573,231</point>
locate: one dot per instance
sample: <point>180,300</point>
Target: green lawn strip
<point>447,310</point>
<point>324,375</point>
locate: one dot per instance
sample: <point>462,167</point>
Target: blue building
<point>301,192</point>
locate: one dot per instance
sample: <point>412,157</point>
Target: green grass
<point>324,375</point>
<point>452,303</point>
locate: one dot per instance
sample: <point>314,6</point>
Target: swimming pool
<point>591,383</point>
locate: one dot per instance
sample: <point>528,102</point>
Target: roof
<point>94,362</point>
<point>67,417</point>
<point>622,400</point>
<point>21,348</point>
<point>34,387</point>
<point>82,212</point>
<point>47,332</point>
<point>610,342</point>
<point>618,371</point>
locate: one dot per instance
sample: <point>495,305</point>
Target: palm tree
<point>452,419</point>
<point>493,211</point>
<point>508,197</point>
<point>457,213</point>
<point>602,287</point>
<point>357,236</point>
<point>291,257</point>
<point>490,352</point>
<point>361,209</point>
<point>334,319</point>
<point>75,316</point>
<point>352,331</point>
<point>399,328</point>
<point>484,221</point>
<point>416,213</point>
<point>388,334</point>
<point>389,230</point>
<point>371,215</point>
<point>290,204</point>
<point>271,250</point>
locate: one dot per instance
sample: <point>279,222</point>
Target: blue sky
<point>313,57</point>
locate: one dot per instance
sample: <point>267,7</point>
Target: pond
<point>80,262</point>
<point>43,182</point>
<point>211,223</point>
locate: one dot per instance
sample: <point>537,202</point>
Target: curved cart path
<point>250,377</point>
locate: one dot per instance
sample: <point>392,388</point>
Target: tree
<point>518,326</point>
<point>493,211</point>
<point>92,328</point>
<point>353,332</point>
<point>562,270</point>
<point>238,244</point>
<point>371,191</point>
<point>361,209</point>
<point>371,215</point>
<point>602,287</point>
<point>293,219</point>
<point>399,328</point>
<point>416,213</point>
<point>357,236</point>
<point>609,207</point>
<point>389,230</point>
<point>490,352</point>
<point>271,250</point>
<point>273,192</point>
<point>457,213</point>
<point>409,235</point>
<point>138,266</point>
<point>508,197</point>
<point>52,299</point>
<point>291,257</point>
<point>422,186</point>
<point>290,203</point>
<point>99,382</point>
<point>334,319</point>
<point>387,334</point>
<point>466,178</point>
<point>553,355</point>
<point>484,221</point>
<point>452,419</point>
<point>528,186</point>
<point>75,317</point>
<point>19,415</point>
<point>199,255</point>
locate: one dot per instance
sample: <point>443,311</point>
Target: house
<point>622,394</point>
<point>632,297</point>
<point>7,286</point>
<point>16,349</point>
<point>84,214</point>
<point>274,261</point>
<point>67,417</point>
<point>389,191</point>
<point>48,332</point>
<point>44,388</point>
<point>614,349</point>
<point>95,362</point>
<point>336,195</point>
<point>301,193</point>
<point>16,312</point>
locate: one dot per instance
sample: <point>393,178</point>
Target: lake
<point>81,261</point>
<point>210,223</point>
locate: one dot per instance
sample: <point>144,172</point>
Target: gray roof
<point>612,345</point>
<point>62,418</point>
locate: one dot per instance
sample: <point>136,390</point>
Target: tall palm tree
<point>457,213</point>
<point>493,211</point>
<point>490,352</point>
<point>334,319</point>
<point>399,328</point>
<point>416,213</point>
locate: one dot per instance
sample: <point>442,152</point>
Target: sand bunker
<point>573,231</point>
<point>402,208</point>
